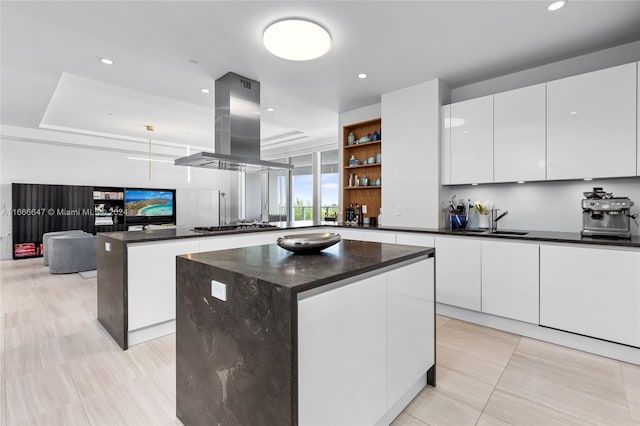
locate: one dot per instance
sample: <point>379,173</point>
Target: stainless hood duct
<point>237,145</point>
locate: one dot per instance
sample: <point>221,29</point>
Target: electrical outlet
<point>107,246</point>
<point>219,290</point>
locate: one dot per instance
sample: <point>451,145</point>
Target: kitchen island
<point>345,336</point>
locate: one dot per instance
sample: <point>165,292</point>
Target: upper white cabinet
<point>458,273</point>
<point>591,124</point>
<point>520,134</point>
<point>510,280</point>
<point>472,141</point>
<point>638,119</point>
<point>591,291</point>
<point>445,145</point>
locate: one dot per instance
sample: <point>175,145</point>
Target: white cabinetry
<point>410,333</point>
<point>638,119</point>
<point>472,141</point>
<point>591,124</point>
<point>364,235</point>
<point>151,288</point>
<point>458,272</point>
<point>415,239</point>
<point>363,347</point>
<point>520,134</point>
<point>445,145</point>
<point>591,291</point>
<point>510,280</point>
<point>342,372</point>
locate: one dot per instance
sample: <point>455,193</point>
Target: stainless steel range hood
<point>237,125</point>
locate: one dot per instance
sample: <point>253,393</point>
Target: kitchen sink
<point>509,233</point>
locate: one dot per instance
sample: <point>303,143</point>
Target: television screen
<point>148,202</point>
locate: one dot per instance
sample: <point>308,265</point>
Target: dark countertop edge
<point>540,236</point>
<point>426,251</point>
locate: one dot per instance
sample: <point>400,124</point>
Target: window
<point>302,188</point>
<point>329,185</point>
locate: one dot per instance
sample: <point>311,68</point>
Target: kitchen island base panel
<point>397,408</point>
<point>233,359</point>
<point>112,288</point>
<point>575,341</point>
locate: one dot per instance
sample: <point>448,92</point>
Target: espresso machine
<point>604,215</point>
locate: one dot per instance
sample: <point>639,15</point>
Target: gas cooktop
<point>236,227</point>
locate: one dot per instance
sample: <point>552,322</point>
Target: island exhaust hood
<point>237,125</point>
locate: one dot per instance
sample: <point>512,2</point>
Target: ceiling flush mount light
<point>556,5</point>
<point>203,90</point>
<point>363,75</point>
<point>106,61</point>
<point>296,39</point>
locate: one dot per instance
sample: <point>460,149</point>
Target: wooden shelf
<point>350,188</point>
<point>362,165</point>
<point>359,145</point>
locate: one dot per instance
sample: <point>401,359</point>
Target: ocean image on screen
<point>148,203</point>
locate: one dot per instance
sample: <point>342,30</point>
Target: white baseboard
<point>152,332</point>
<point>402,403</point>
<point>570,340</point>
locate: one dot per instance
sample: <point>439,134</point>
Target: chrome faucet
<point>494,219</point>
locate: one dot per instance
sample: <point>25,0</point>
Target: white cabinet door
<point>591,124</point>
<point>342,358</point>
<point>151,280</point>
<point>410,334</point>
<point>591,291</point>
<point>510,280</point>
<point>411,239</point>
<point>520,134</point>
<point>365,235</point>
<point>458,273</point>
<point>472,141</point>
<point>445,145</point>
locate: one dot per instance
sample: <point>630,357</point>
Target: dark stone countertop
<point>298,272</point>
<point>540,236</point>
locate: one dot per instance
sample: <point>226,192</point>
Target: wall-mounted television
<point>150,205</point>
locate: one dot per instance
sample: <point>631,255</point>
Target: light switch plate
<point>107,246</point>
<point>219,290</point>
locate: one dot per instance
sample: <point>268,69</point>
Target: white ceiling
<point>154,45</point>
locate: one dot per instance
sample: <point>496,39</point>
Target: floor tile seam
<point>412,416</point>
<point>495,386</point>
<point>626,392</point>
<point>80,397</point>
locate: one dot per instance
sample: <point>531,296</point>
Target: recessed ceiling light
<point>573,112</point>
<point>363,75</point>
<point>587,179</point>
<point>474,184</point>
<point>106,61</point>
<point>203,90</point>
<point>520,181</point>
<point>296,39</point>
<point>556,5</point>
<point>270,109</point>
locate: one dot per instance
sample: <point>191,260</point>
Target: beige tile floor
<point>58,366</point>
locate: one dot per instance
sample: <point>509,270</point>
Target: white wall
<point>26,161</point>
<point>410,156</point>
<point>601,59</point>
<point>545,206</point>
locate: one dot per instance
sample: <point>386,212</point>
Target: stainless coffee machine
<point>604,215</point>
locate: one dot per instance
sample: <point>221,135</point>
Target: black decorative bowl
<point>308,243</point>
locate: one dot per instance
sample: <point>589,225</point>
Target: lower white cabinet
<point>415,239</point>
<point>151,278</point>
<point>342,360</point>
<point>591,291</point>
<point>458,271</point>
<point>510,280</point>
<point>410,342</point>
<point>362,346</point>
<point>365,235</point>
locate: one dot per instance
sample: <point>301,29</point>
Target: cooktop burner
<point>237,227</point>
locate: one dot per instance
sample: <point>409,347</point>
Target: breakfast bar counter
<point>264,336</point>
